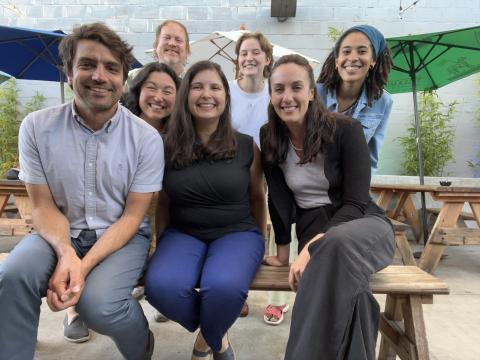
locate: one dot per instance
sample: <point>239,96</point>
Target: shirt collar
<point>108,126</point>
<point>331,101</point>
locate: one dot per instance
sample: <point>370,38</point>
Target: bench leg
<point>403,329</point>
<point>415,326</point>
<point>404,248</point>
<point>392,312</point>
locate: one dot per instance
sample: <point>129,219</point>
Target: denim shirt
<point>374,119</point>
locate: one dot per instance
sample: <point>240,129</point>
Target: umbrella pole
<point>62,85</point>
<point>420,151</point>
<point>62,91</point>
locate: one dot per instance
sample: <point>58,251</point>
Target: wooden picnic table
<point>403,202</point>
<point>444,231</point>
<point>23,225</point>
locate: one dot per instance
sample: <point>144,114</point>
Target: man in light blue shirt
<point>90,168</point>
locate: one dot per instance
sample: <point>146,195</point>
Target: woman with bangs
<point>152,94</point>
<point>317,167</point>
<point>211,215</point>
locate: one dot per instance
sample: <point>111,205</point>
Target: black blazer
<point>347,168</point>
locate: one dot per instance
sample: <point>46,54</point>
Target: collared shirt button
<point>90,218</point>
<point>90,164</point>
<point>90,193</point>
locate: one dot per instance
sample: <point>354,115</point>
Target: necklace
<point>294,147</point>
<point>350,109</point>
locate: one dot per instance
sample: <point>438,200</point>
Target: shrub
<point>11,115</point>
<point>437,136</point>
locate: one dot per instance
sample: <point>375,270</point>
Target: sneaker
<point>76,331</point>
<point>159,317</point>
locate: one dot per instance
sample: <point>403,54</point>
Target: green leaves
<point>11,115</point>
<point>437,136</point>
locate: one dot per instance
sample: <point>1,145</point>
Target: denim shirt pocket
<point>369,123</point>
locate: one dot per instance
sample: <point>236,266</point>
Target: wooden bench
<point>402,325</point>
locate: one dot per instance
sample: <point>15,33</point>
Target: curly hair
<point>183,146</point>
<point>376,79</point>
<point>265,45</point>
<point>131,99</point>
<point>320,124</point>
<point>98,32</point>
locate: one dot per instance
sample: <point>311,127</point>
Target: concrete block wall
<point>136,21</point>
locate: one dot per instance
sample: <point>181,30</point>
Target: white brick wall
<point>136,21</point>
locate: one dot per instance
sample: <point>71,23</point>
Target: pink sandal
<point>273,315</point>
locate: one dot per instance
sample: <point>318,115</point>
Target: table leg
<point>3,203</point>
<point>412,217</point>
<point>432,252</point>
<point>384,199</point>
<point>402,197</point>
<point>476,211</point>
<point>24,206</point>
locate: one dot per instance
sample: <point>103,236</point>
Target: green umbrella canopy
<point>438,59</point>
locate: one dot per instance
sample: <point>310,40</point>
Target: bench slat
<point>391,280</point>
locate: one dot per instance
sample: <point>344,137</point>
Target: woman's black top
<point>347,169</point>
<point>210,199</point>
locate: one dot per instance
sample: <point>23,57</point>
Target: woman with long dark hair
<point>152,94</point>
<point>352,82</point>
<point>211,215</point>
<point>317,168</point>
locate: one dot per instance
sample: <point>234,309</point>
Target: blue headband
<point>376,38</point>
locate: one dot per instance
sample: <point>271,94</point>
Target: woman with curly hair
<point>352,82</point>
<point>317,168</point>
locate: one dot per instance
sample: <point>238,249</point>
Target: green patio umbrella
<point>430,61</point>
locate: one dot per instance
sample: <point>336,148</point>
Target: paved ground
<point>453,323</point>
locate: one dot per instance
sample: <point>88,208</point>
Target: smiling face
<point>252,59</point>
<point>96,79</point>
<point>355,58</point>
<point>157,97</point>
<point>291,92</point>
<point>206,97</point>
<point>172,45</point>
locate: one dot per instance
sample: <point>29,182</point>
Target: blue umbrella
<point>4,77</point>
<point>32,54</point>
